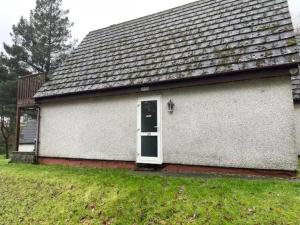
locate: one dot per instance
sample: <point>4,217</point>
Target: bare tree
<point>6,131</point>
<point>8,85</point>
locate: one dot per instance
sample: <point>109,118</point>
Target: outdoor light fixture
<point>171,106</point>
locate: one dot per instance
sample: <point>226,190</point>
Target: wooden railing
<point>27,87</point>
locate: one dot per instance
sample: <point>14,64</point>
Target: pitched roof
<point>194,40</point>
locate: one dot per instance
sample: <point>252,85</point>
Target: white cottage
<point>202,87</point>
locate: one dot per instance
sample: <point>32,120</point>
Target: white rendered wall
<point>297,125</point>
<point>248,124</point>
<point>102,128</point>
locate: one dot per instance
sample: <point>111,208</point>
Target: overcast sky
<point>90,15</point>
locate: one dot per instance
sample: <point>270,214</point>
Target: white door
<point>149,150</point>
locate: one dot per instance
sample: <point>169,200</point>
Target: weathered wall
<point>245,124</point>
<point>297,125</point>
<point>23,157</point>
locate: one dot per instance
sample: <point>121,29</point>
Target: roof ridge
<point>115,41</point>
<point>152,14</point>
<point>197,7</point>
<point>96,35</point>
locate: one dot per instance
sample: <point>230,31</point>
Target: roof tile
<point>198,39</point>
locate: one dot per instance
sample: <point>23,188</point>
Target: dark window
<point>149,116</point>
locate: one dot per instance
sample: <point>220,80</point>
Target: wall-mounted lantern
<point>171,106</point>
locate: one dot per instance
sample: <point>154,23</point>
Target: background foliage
<point>40,44</point>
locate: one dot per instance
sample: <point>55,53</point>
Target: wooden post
<point>18,116</point>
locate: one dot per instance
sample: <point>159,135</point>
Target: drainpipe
<point>37,144</point>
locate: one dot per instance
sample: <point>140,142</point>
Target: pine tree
<point>42,42</point>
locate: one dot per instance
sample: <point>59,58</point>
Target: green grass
<point>35,194</point>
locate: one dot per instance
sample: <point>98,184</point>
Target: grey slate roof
<point>198,39</point>
<point>28,132</point>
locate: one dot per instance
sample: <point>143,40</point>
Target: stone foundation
<point>23,157</point>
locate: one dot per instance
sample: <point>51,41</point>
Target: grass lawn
<point>34,194</point>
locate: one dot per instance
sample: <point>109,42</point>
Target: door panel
<point>149,146</point>
<point>149,131</point>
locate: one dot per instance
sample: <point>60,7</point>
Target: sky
<point>90,15</point>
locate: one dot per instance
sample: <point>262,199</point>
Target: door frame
<point>139,157</point>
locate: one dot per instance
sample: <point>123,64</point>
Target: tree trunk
<point>6,149</point>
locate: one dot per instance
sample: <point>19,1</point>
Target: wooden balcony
<point>27,87</point>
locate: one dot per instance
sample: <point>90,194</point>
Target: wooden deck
<point>27,87</point>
